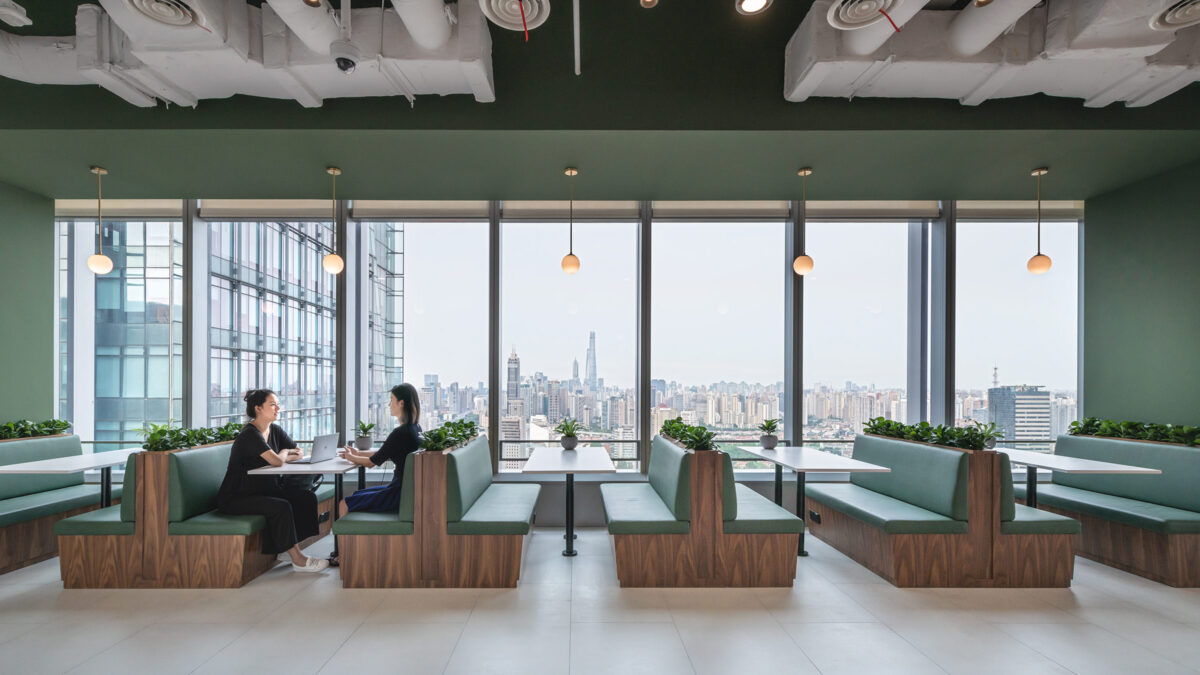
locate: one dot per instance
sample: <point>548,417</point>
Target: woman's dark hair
<point>407,394</point>
<point>255,398</point>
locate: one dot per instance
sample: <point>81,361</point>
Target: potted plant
<point>569,429</point>
<point>364,441</point>
<point>674,429</point>
<point>769,440</point>
<point>697,438</point>
<point>978,436</point>
<point>449,436</point>
<point>1136,431</point>
<point>30,429</point>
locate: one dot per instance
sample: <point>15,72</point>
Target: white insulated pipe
<point>425,20</point>
<point>977,27</point>
<point>866,40</point>
<point>313,25</point>
<point>40,60</point>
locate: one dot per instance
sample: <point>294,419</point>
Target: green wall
<point>27,321</point>
<point>1141,356</point>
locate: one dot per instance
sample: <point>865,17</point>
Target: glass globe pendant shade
<point>570,263</point>
<point>100,263</point>
<point>1038,264</point>
<point>802,265</point>
<point>333,263</point>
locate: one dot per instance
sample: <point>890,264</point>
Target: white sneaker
<point>313,565</point>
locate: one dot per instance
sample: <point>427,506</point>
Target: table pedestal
<point>105,486</point>
<point>1031,487</point>
<point>570,551</point>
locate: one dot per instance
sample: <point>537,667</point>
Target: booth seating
<point>943,517</point>
<point>691,525</point>
<point>169,534</point>
<point>1145,524</point>
<point>30,504</point>
<point>454,528</point>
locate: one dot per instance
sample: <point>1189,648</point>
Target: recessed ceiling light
<point>647,4</point>
<point>313,3</point>
<point>751,6</point>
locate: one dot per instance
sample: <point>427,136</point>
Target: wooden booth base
<point>1171,559</point>
<point>33,541</point>
<point>1033,560</point>
<point>728,560</point>
<point>465,561</point>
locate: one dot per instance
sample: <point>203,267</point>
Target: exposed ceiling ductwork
<point>183,52</point>
<point>1102,51</point>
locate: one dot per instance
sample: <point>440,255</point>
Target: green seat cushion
<point>1174,487</point>
<point>32,450</point>
<point>637,508</point>
<point>47,503</point>
<point>1008,507</point>
<point>371,522</point>
<point>670,475</point>
<point>758,515</point>
<point>1133,512</point>
<point>931,477</point>
<point>215,522</point>
<point>729,495</point>
<point>889,514</point>
<point>325,491</point>
<point>468,475</point>
<point>193,480</point>
<point>407,499</point>
<point>129,491</point>
<point>1035,521</point>
<point>501,509</point>
<point>98,522</point>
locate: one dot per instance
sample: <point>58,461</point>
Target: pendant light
<point>99,263</point>
<point>1040,263</point>
<point>570,263</point>
<point>333,262</point>
<point>751,6</point>
<point>803,264</point>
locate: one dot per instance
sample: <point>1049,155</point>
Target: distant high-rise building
<point>591,363</point>
<point>1021,412</point>
<point>431,380</point>
<point>575,370</point>
<point>512,428</point>
<point>1063,411</point>
<point>514,376</point>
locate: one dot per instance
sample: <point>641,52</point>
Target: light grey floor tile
<point>164,649</point>
<point>516,647</point>
<point>45,572</point>
<point>424,605</point>
<point>1084,648</point>
<point>628,648</point>
<point>410,648</point>
<point>960,643</point>
<point>812,602</point>
<point>739,641</point>
<point>57,647</point>
<point>854,648</point>
<point>1170,639</point>
<point>280,647</point>
<point>596,604</point>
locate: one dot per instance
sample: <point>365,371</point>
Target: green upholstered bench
<point>758,515</point>
<point>375,522</point>
<point>1148,524</point>
<point>31,504</point>
<point>113,520</point>
<point>660,506</point>
<point>1034,549</point>
<point>476,505</point>
<point>1020,519</point>
<point>894,516</point>
<point>193,480</point>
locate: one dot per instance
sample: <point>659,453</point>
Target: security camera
<point>345,55</point>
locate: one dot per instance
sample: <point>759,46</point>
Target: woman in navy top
<point>291,512</point>
<point>405,406</point>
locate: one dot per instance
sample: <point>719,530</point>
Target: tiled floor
<point>569,615</point>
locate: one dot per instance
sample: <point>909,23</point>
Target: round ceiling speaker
<point>855,14</point>
<point>1179,15</point>
<point>507,13</point>
<point>167,12</point>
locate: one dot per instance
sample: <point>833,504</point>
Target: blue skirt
<point>382,498</point>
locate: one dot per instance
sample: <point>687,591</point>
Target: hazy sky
<point>718,302</point>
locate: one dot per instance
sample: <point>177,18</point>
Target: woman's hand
<point>292,454</point>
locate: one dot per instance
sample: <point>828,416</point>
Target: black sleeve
<point>402,441</point>
<point>248,447</point>
<point>284,441</point>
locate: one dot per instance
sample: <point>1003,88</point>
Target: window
<point>66,245</point>
<point>427,303</point>
<point>1017,333</point>
<point>569,341</point>
<point>717,352</point>
<point>855,328</point>
<point>272,321</point>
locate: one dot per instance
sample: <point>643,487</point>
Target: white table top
<point>583,459</point>
<point>335,465</point>
<point>811,460</point>
<point>74,463</point>
<point>1071,464</point>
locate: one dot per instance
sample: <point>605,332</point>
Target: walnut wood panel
<point>429,557</point>
<point>706,556</point>
<point>1172,559</point>
<point>99,561</point>
<point>212,561</point>
<point>23,544</point>
<point>1034,560</point>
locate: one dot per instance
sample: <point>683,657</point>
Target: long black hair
<point>255,398</point>
<point>407,394</point>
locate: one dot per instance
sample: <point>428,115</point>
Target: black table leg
<point>801,509</point>
<point>779,484</point>
<point>362,477</point>
<point>570,550</point>
<point>105,486</point>
<point>337,504</point>
<point>1031,487</point>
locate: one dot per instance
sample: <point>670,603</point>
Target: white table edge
<point>612,468</point>
<point>32,468</point>
<point>863,467</point>
<point>292,467</point>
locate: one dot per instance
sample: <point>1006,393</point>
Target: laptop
<point>324,449</point>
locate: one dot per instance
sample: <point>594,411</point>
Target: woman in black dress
<point>405,406</point>
<point>291,512</point>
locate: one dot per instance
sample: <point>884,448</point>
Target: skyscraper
<point>1021,412</point>
<point>514,377</point>
<point>591,362</point>
<point>575,370</point>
